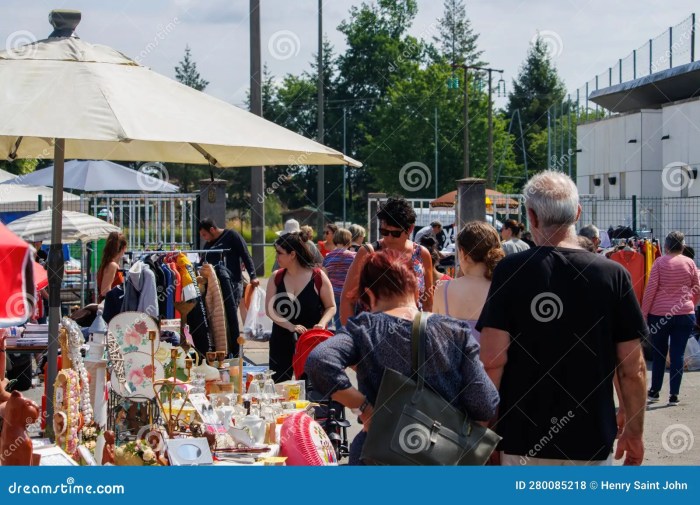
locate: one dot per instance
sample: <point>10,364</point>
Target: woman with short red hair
<point>373,341</point>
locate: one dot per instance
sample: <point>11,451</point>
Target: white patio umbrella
<point>64,97</point>
<point>97,175</point>
<point>14,197</point>
<point>74,226</point>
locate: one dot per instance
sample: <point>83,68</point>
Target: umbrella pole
<point>55,277</point>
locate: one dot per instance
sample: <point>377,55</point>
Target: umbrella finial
<point>64,22</point>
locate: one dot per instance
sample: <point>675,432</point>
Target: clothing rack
<point>178,251</point>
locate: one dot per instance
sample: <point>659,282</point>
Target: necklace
<point>75,340</point>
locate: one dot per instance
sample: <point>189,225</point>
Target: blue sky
<point>586,37</point>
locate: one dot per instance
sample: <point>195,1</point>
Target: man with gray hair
<point>558,323</point>
<point>591,233</point>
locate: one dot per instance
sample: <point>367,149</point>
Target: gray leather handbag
<point>413,425</point>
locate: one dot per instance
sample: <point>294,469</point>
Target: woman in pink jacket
<point>669,303</point>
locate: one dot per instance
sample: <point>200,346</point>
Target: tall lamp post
<point>453,83</point>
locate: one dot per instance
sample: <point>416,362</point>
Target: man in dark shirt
<point>558,323</point>
<point>236,255</point>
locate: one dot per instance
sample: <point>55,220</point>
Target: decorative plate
<point>140,375</point>
<point>130,329</point>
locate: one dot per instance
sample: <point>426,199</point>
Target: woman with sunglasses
<point>326,245</point>
<point>396,222</point>
<point>299,297</point>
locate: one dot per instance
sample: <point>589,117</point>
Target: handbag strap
<point>418,345</point>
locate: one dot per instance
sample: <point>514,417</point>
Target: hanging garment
<point>169,290</point>
<point>177,292</point>
<point>161,284</point>
<point>199,327</point>
<point>648,252</point>
<point>140,290</point>
<point>231,293</point>
<point>216,313</point>
<point>635,264</point>
<point>189,286</point>
<point>197,318</point>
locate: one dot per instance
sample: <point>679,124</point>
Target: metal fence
<point>672,48</point>
<point>149,221</point>
<point>498,209</point>
<point>647,217</point>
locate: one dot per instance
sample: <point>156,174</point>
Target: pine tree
<point>457,41</point>
<point>186,72</point>
<point>536,89</point>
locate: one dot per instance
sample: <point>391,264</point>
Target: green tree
<point>379,53</point>
<point>19,167</point>
<point>537,88</point>
<point>406,121</point>
<point>186,72</point>
<point>456,39</point>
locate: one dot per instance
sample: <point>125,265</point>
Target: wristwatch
<point>358,411</point>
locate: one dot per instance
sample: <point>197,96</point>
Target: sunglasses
<point>394,233</point>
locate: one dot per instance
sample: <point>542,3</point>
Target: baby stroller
<point>329,414</point>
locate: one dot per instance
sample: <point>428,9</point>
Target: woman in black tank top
<point>299,298</point>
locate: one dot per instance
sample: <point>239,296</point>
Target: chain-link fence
<point>646,217</point>
<point>672,48</point>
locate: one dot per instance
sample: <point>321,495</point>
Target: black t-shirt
<point>565,310</point>
<point>238,252</point>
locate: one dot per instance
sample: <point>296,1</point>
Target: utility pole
<point>489,173</point>
<point>490,71</point>
<point>320,181</point>
<point>436,153</point>
<point>345,167</point>
<point>257,181</point>
<point>466,122</point>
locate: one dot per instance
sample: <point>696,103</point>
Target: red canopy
<point>448,199</point>
<point>16,279</point>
